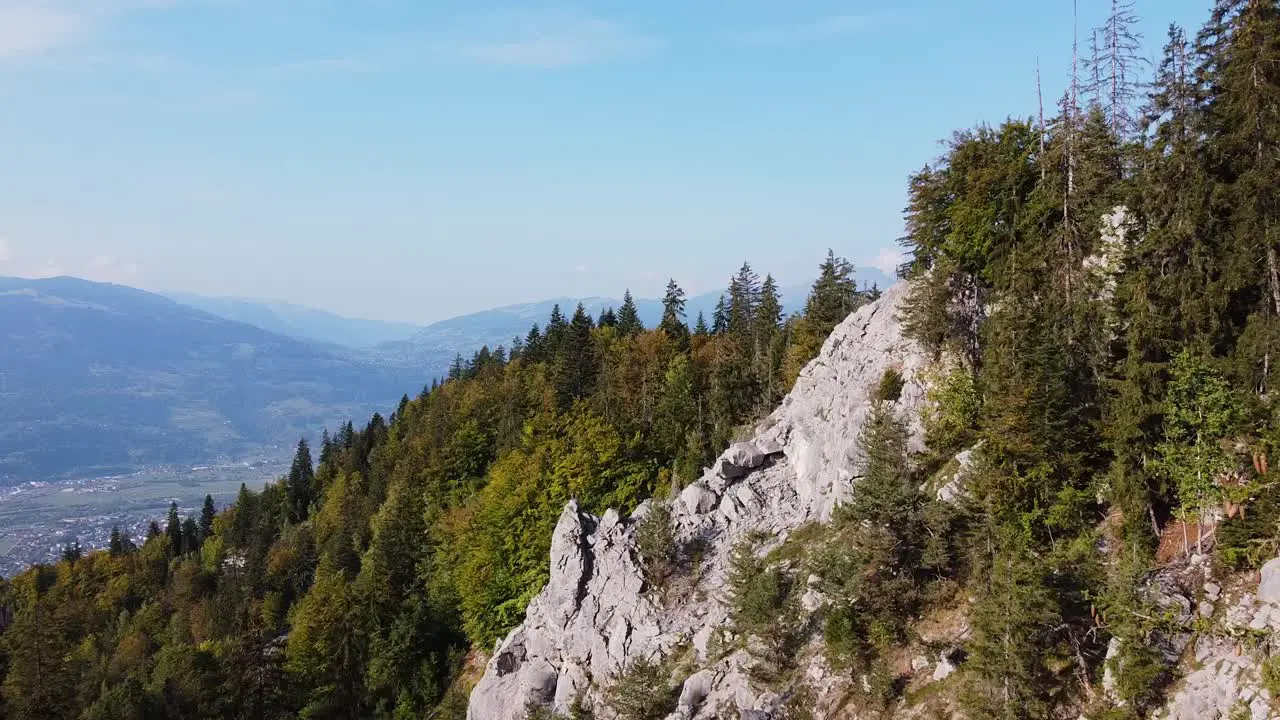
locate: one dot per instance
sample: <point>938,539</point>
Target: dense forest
<point>1105,284</point>
<point>1102,293</point>
<point>356,585</point>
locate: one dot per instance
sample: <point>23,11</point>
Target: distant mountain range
<point>435,346</point>
<point>301,323</point>
<point>101,378</point>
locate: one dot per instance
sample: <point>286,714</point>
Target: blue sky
<point>416,159</point>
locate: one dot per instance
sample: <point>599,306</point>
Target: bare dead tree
<point>1116,66</point>
<point>1040,99</point>
<point>1072,107</point>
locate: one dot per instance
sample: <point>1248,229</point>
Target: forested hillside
<point>1122,369</point>
<point>357,587</point>
<point>1100,292</point>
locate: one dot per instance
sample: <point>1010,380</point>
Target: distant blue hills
<point>99,378</point>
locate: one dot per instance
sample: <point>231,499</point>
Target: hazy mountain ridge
<point>102,378</point>
<point>300,322</point>
<point>434,347</point>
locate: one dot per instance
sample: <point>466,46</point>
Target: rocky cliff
<point>597,613</point>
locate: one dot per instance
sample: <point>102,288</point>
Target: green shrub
<point>1141,674</point>
<point>890,387</point>
<point>952,415</point>
<point>1270,672</point>
<point>643,691</point>
<point>759,592</point>
<point>763,605</point>
<point>656,541</point>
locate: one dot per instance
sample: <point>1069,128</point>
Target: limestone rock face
<point>597,614</point>
<point>1226,675</point>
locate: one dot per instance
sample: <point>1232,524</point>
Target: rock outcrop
<point>1226,673</point>
<point>597,614</point>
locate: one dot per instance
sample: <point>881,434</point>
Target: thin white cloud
<point>799,33</point>
<point>31,29</point>
<point>103,268</point>
<point>547,41</point>
<point>888,260</point>
<point>37,27</point>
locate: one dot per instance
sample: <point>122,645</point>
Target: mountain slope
<point>104,377</point>
<point>299,322</point>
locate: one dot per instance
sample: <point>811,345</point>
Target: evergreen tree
<point>720,319</point>
<point>116,544</point>
<point>575,369</point>
<point>173,530</point>
<point>190,535</point>
<point>207,515</point>
<point>834,294</point>
<point>1242,69</point>
<point>555,336</point>
<point>608,318</point>
<point>300,483</point>
<point>769,348</point>
<point>744,300</point>
<point>534,351</point>
<point>328,448</point>
<point>700,328</point>
<point>72,551</point>
<point>628,317</point>
<point>673,315</point>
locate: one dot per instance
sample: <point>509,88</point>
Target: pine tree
<point>327,448</point>
<point>744,300</point>
<point>190,535</point>
<point>1242,68</point>
<point>575,369</point>
<point>115,547</point>
<point>769,349</point>
<point>300,483</point>
<point>673,315</point>
<point>628,317</point>
<point>834,294</point>
<point>554,338</point>
<point>720,319</point>
<point>608,318</point>
<point>72,551</point>
<point>173,530</point>
<point>207,514</point>
<point>700,328</point>
<point>534,351</point>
